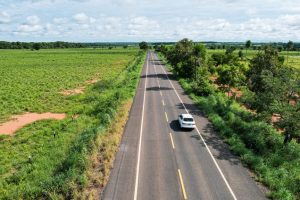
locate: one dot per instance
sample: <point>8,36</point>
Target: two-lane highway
<point>158,160</point>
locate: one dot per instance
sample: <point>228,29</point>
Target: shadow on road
<point>160,76</point>
<point>155,62</point>
<point>158,89</point>
<point>213,141</point>
<point>209,135</point>
<point>176,127</point>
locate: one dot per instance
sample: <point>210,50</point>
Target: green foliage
<point>186,58</point>
<point>143,45</point>
<point>36,165</point>
<point>248,44</point>
<point>36,46</point>
<point>31,81</point>
<point>270,86</point>
<point>258,144</point>
<point>230,75</point>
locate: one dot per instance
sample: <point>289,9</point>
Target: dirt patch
<point>79,90</point>
<point>275,118</point>
<point>92,81</point>
<point>19,121</point>
<point>234,92</point>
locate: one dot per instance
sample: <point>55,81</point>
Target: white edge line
<point>167,117</point>
<point>140,140</point>
<point>215,162</point>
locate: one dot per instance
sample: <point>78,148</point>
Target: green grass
<point>36,165</point>
<point>31,80</point>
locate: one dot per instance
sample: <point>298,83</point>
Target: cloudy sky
<point>150,20</point>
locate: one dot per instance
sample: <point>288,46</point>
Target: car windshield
<point>188,119</point>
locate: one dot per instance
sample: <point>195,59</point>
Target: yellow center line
<point>172,141</point>
<point>182,185</point>
<point>167,117</point>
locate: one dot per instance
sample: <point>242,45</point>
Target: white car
<point>186,121</point>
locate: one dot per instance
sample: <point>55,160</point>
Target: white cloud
<point>60,20</point>
<point>82,18</point>
<point>30,28</point>
<point>109,24</point>
<point>32,25</point>
<point>4,17</point>
<point>135,20</point>
<point>33,20</point>
<point>143,26</point>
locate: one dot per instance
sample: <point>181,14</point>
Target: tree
<point>36,46</point>
<point>241,55</point>
<point>143,45</point>
<point>290,46</point>
<point>262,62</point>
<point>229,76</point>
<point>247,45</point>
<point>199,54</point>
<point>181,57</point>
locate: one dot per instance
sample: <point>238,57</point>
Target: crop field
<point>31,81</point>
<point>47,159</point>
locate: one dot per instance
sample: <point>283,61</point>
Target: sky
<point>149,20</point>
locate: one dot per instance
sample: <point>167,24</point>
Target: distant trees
<point>247,45</point>
<point>42,45</point>
<point>36,46</point>
<point>143,45</point>
<point>290,46</point>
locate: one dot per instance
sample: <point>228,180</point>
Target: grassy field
<point>293,60</point>
<point>49,159</point>
<point>31,80</point>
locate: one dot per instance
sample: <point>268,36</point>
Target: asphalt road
<point>157,160</point>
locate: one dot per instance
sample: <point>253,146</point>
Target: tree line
<point>40,45</point>
<point>269,86</point>
<point>244,121</point>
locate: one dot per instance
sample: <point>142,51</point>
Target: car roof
<point>187,116</point>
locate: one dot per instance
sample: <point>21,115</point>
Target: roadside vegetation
<point>241,95</point>
<point>64,159</point>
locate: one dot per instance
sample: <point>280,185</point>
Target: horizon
<point>152,42</point>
